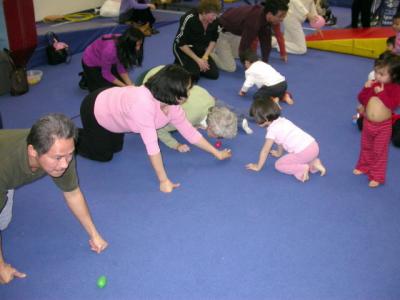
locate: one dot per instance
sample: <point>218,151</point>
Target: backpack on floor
<point>57,51</point>
<point>18,78</point>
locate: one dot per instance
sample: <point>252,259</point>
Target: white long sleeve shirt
<point>301,8</point>
<point>260,74</point>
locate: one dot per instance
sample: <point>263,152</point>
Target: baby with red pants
<point>378,99</point>
<point>302,149</point>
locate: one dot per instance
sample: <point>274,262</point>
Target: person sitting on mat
<point>138,13</point>
<point>107,114</point>
<point>107,60</point>
<point>27,155</point>
<point>196,38</point>
<point>270,83</point>
<point>299,11</point>
<point>203,111</point>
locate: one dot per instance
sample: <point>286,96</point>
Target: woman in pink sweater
<point>109,113</point>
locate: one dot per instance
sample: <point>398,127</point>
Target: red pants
<point>375,139</point>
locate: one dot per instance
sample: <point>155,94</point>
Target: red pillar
<point>21,29</point>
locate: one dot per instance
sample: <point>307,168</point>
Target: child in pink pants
<point>302,149</point>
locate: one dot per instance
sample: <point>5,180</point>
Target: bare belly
<point>376,111</point>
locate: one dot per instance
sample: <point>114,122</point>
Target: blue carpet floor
<point>226,233</point>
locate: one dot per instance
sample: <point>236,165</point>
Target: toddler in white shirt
<point>270,83</point>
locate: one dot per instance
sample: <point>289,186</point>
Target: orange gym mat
<point>369,42</point>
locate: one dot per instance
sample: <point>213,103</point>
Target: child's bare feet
<point>276,100</point>
<point>288,98</point>
<point>306,176</point>
<point>357,172</point>
<point>373,184</point>
<point>319,166</point>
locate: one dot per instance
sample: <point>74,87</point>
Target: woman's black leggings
<point>95,79</point>
<point>94,141</point>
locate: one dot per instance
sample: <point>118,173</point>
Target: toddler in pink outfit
<point>302,149</point>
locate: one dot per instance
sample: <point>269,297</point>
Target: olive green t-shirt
<point>15,170</point>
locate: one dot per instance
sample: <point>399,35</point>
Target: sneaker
<point>331,21</point>
<point>203,123</point>
<point>245,127</point>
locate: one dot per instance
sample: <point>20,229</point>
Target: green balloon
<point>102,281</point>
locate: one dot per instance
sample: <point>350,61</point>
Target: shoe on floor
<point>331,21</point>
<point>245,127</point>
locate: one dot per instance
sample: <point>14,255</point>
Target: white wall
<point>61,7</point>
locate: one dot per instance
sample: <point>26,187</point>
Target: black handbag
<point>18,79</point>
<point>57,51</point>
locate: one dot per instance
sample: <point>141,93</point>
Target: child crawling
<point>270,83</point>
<point>302,149</point>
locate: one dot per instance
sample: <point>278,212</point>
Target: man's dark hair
<point>170,84</point>
<point>273,6</point>
<point>49,128</point>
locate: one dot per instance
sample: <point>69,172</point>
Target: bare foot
<point>288,99</point>
<point>276,100</point>
<point>373,184</point>
<point>319,166</point>
<point>357,172</point>
<point>305,176</point>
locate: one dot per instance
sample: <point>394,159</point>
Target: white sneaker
<point>203,123</point>
<point>245,127</point>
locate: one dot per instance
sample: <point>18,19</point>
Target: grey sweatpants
<point>6,213</point>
